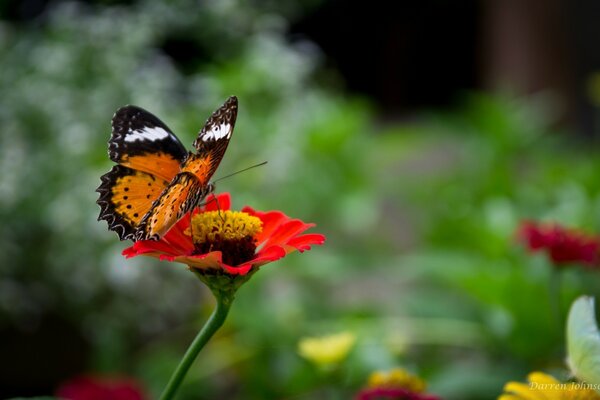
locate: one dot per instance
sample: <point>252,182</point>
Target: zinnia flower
<point>397,384</point>
<point>327,350</point>
<point>545,387</point>
<point>101,388</point>
<point>563,245</point>
<point>234,242</point>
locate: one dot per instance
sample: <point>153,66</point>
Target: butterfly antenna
<point>242,170</point>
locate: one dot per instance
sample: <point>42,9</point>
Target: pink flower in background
<point>563,245</point>
<point>92,387</point>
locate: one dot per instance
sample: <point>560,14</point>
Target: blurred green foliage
<point>421,261</point>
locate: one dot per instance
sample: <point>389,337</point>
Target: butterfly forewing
<point>143,142</point>
<point>213,139</point>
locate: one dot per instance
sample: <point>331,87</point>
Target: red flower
<point>392,393</point>
<point>563,245</point>
<point>230,241</point>
<point>100,388</point>
<point>397,384</point>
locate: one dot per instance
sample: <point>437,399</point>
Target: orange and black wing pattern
<point>212,141</point>
<point>183,194</point>
<point>149,156</point>
<point>156,181</point>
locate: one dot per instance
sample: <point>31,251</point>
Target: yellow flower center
<point>231,232</point>
<point>213,226</point>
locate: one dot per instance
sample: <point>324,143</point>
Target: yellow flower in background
<point>545,387</point>
<point>327,350</point>
<point>397,377</point>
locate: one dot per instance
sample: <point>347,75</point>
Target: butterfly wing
<point>192,185</point>
<point>143,142</point>
<point>126,195</point>
<point>149,157</point>
<point>183,194</point>
<point>212,142</point>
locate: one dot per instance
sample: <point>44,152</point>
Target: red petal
<point>269,254</point>
<point>148,246</point>
<point>286,231</point>
<point>303,242</point>
<point>202,261</point>
<point>263,257</point>
<point>177,239</point>
<point>271,221</point>
<point>241,269</point>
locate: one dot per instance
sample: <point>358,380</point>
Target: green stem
<point>213,324</point>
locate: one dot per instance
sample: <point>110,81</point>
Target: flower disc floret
<point>215,226</point>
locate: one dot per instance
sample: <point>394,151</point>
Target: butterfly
<point>156,180</point>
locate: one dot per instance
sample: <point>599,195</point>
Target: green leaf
<point>583,341</point>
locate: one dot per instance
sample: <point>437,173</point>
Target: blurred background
<point>415,134</point>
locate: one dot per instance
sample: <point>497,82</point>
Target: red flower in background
<point>391,393</point>
<point>101,388</point>
<point>213,237</point>
<point>563,245</point>
<point>397,384</point>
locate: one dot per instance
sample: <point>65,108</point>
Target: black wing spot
<point>155,220</point>
<point>126,189</point>
<point>147,196</point>
<point>129,206</point>
<point>135,215</point>
<point>149,184</point>
<point>125,197</point>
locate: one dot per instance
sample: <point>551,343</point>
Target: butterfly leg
<point>219,209</point>
<point>216,200</point>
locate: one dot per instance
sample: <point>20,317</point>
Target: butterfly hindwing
<point>143,142</point>
<point>184,193</point>
<point>126,195</point>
